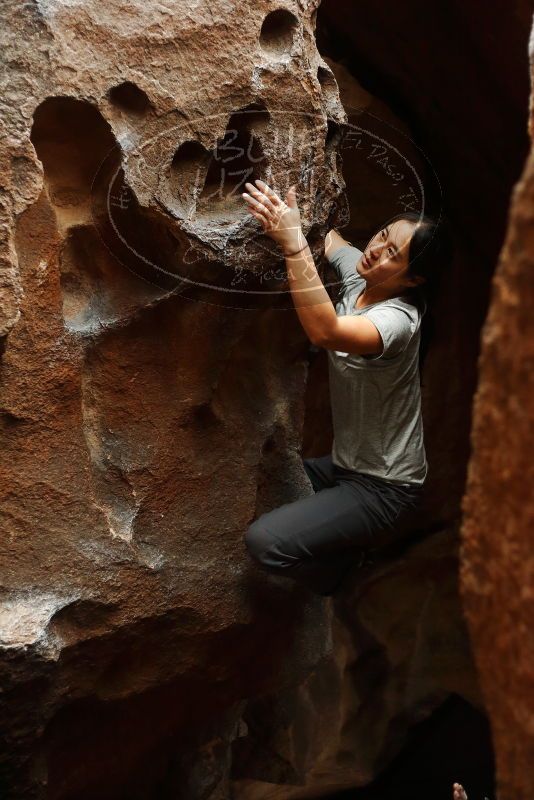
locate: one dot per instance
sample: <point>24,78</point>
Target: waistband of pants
<point>415,488</point>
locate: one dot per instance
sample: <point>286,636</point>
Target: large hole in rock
<point>72,140</point>
<point>238,158</point>
<point>278,31</point>
<point>95,207</point>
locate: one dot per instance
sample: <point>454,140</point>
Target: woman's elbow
<point>320,339</point>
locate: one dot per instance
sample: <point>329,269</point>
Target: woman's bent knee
<point>258,541</point>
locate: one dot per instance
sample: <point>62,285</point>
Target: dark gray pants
<point>318,539</point>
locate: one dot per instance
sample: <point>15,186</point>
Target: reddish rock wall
<point>147,419</point>
<point>497,553</point>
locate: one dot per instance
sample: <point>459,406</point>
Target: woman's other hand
<point>280,220</point>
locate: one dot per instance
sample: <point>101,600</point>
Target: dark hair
<point>430,252</point>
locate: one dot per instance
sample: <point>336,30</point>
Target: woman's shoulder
<point>400,313</point>
<point>409,305</point>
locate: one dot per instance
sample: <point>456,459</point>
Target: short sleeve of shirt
<point>396,326</point>
<point>344,261</point>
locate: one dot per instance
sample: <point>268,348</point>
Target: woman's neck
<point>374,295</point>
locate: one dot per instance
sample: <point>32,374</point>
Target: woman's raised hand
<point>280,220</point>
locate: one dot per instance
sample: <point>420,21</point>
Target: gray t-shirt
<point>376,400</point>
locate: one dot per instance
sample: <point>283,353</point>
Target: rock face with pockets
<point>156,397</point>
<point>150,407</point>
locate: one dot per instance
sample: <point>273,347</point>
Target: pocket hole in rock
<point>278,31</point>
<point>97,290</point>
<point>187,175</point>
<point>326,79</point>
<point>333,133</point>
<point>238,157</point>
<point>130,98</point>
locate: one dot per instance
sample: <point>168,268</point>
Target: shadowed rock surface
<point>498,529</point>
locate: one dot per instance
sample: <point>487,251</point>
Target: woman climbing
<point>377,465</point>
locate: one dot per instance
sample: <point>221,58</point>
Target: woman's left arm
<point>281,221</point>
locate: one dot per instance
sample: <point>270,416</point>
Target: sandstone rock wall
<point>146,419</point>
<point>497,561</point>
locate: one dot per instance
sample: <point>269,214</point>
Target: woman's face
<point>385,258</point>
